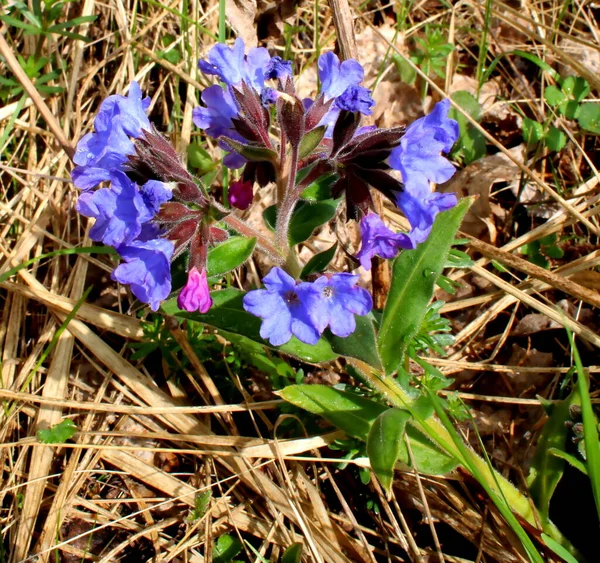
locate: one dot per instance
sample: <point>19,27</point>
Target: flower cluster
<point>131,213</point>
<point>304,309</point>
<point>151,209</point>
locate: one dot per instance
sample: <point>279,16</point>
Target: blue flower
<point>232,66</point>
<point>336,77</point>
<point>147,269</point>
<point>278,68</point>
<point>419,160</point>
<point>422,211</point>
<point>215,118</point>
<point>418,157</point>
<point>378,239</point>
<point>106,149</point>
<point>119,211</point>
<point>282,306</point>
<point>356,98</point>
<point>335,302</point>
<point>154,194</point>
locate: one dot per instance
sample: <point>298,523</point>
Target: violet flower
<point>119,211</point>
<point>283,308</point>
<point>195,295</point>
<point>147,269</point>
<point>378,239</point>
<point>419,160</point>
<point>336,301</point>
<point>106,149</point>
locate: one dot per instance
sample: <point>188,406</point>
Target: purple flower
<point>422,211</point>
<point>378,239</point>
<point>232,66</point>
<point>336,77</point>
<point>195,296</point>
<point>106,149</point>
<point>341,80</point>
<point>419,160</point>
<point>155,193</point>
<point>278,68</point>
<point>215,118</point>
<point>225,62</point>
<point>356,98</point>
<point>335,302</point>
<point>282,306</point>
<point>418,156</point>
<point>119,211</point>
<point>147,269</point>
<point>240,194</point>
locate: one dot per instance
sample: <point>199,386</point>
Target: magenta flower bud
<point>195,296</point>
<point>240,194</point>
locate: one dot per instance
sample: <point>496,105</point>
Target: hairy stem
<point>262,242</point>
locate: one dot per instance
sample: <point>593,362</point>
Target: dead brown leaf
<point>477,179</point>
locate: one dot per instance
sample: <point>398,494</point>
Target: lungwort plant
<point>312,156</point>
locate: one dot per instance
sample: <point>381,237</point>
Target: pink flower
<point>240,194</point>
<point>195,296</point>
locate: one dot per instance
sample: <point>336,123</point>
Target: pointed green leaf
<point>320,189</point>
<point>307,217</point>
<point>292,554</point>
<point>311,141</point>
<point>384,443</point>
<point>319,262</point>
<point>229,255</point>
<point>429,459</point>
<point>413,281</point>
<point>347,411</point>
<point>361,344</point>
<point>253,153</point>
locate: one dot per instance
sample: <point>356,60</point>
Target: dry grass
<point>123,489</point>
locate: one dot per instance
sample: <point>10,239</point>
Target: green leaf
<point>570,459</point>
<point>361,344</point>
<point>311,141</point>
<point>253,153</point>
<point>407,73</point>
<point>472,145</point>
<point>468,103</point>
<point>576,88</point>
<point>320,189</point>
<point>553,96</point>
<point>200,159</point>
<point>570,109</point>
<point>555,139</point>
<point>226,548</point>
<point>229,255</point>
<point>414,275</point>
<point>292,554</point>
<point>589,117</point>
<point>347,411</point>
<point>384,443</point>
<point>546,469</point>
<point>228,314</point>
<point>307,217</point>
<point>59,433</point>
<point>270,217</point>
<point>10,20</point>
<point>533,132</point>
<point>429,459</point>
<point>558,549</point>
<point>319,262</point>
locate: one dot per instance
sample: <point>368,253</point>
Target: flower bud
<point>195,296</point>
<point>240,194</point>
